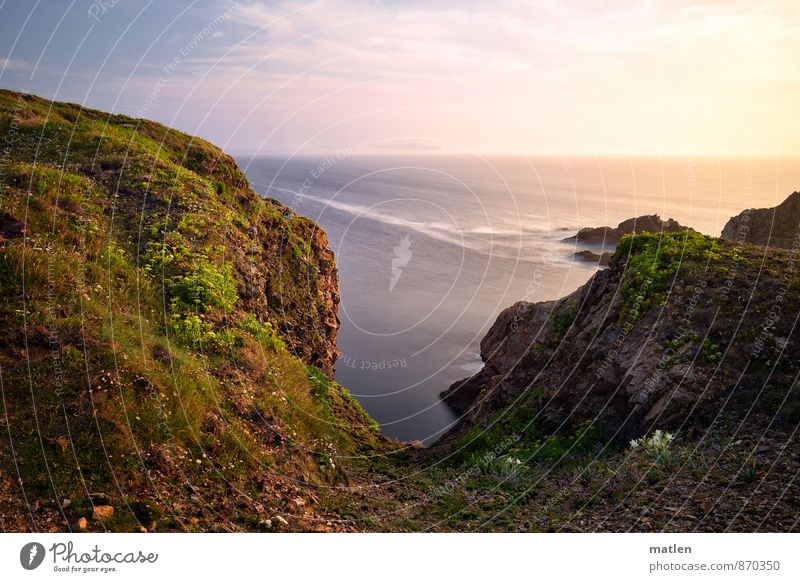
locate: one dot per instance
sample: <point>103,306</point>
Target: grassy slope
<point>132,368</point>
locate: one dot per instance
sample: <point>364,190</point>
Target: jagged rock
<point>609,236</point>
<point>776,227</point>
<point>674,366</point>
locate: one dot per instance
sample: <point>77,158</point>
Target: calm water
<point>430,249</point>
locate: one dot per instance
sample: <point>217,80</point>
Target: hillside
<point>168,336</point>
<point>686,334</point>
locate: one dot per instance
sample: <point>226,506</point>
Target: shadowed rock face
<point>697,343</point>
<point>776,227</point>
<point>610,236</point>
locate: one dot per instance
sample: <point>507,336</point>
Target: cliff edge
<point>682,329</point>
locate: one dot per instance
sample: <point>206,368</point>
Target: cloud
<point>14,65</point>
<point>632,75</point>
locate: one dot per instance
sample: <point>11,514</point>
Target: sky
<point>642,77</point>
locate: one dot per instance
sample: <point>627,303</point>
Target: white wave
<point>472,238</point>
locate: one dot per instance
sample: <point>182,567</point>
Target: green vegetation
<point>651,263</point>
<point>512,434</point>
<point>657,449</point>
<point>712,353</point>
<point>266,335</point>
<point>152,347</point>
<point>562,321</point>
<point>320,385</point>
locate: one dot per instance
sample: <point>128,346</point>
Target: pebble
<point>102,512</point>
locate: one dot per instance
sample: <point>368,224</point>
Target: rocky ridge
<point>661,339</point>
<point>776,227</point>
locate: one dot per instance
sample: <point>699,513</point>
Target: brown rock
<point>609,236</point>
<point>775,227</point>
<point>102,512</point>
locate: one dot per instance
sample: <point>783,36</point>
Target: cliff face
<point>178,194</point>
<point>776,227</point>
<point>162,329</point>
<point>288,276</point>
<point>681,330</point>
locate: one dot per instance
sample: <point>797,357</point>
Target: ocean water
<point>431,248</point>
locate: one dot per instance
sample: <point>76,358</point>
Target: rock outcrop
<point>602,259</point>
<point>608,235</point>
<point>777,227</point>
<point>673,342</point>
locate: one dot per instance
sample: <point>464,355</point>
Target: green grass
<point>652,261</point>
<point>141,352</point>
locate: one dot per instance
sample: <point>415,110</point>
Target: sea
<point>430,248</point>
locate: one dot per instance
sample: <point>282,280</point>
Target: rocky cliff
<point>681,330</point>
<point>167,336</point>
<point>776,227</point>
<point>178,194</point>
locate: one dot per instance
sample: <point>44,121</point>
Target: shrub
<point>205,287</point>
<point>320,385</point>
<point>263,332</point>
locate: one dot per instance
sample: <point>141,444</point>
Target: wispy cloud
<point>14,65</point>
<point>511,75</point>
